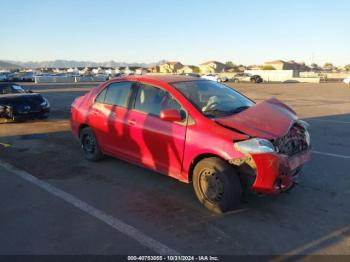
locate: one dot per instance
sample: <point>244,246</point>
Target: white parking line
<point>330,154</point>
<point>330,121</point>
<point>115,223</point>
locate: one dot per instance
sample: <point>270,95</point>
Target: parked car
<point>215,77</point>
<point>195,130</point>
<point>347,80</point>
<point>191,74</point>
<point>24,76</point>
<point>245,77</point>
<point>16,104</point>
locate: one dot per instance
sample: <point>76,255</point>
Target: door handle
<point>132,122</point>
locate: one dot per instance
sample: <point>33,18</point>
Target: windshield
<point>213,99</point>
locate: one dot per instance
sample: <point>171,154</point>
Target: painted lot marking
<point>115,223</point>
<point>330,121</point>
<point>330,154</point>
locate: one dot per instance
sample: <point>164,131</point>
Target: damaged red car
<point>197,131</point>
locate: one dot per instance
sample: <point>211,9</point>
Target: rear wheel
<point>89,145</point>
<point>217,185</point>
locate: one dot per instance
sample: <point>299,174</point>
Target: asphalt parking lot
<point>113,207</point>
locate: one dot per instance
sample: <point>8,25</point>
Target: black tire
<point>89,145</point>
<point>217,185</point>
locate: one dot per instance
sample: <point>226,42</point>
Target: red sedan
<point>194,130</point>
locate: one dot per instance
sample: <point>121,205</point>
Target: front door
<point>160,143</point>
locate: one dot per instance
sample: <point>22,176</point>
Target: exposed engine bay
<point>295,141</point>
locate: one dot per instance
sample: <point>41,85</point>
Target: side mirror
<point>171,115</point>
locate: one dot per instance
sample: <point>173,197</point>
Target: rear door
<point>160,143</point>
<point>109,117</point>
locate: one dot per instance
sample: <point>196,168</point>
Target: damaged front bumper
<point>275,172</point>
<point>8,113</point>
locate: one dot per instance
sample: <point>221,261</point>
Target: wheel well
<point>81,127</point>
<point>195,162</point>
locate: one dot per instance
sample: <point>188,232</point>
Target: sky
<point>190,31</point>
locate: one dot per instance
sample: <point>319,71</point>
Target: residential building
<point>170,67</point>
<point>154,69</point>
<point>212,67</point>
<point>73,70</point>
<point>255,67</point>
<point>97,70</point>
<point>141,71</point>
<point>188,69</point>
<point>288,65</point>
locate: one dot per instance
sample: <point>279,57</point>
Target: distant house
<point>127,70</point>
<point>59,70</point>
<point>254,67</point>
<point>109,71</point>
<point>154,69</point>
<point>188,69</point>
<point>72,70</point>
<point>212,67</point>
<point>288,65</point>
<point>84,70</point>
<point>141,71</point>
<point>170,67</point>
<point>98,70</point>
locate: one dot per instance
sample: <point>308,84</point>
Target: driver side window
<point>152,100</point>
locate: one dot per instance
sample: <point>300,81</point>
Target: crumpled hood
<point>269,119</point>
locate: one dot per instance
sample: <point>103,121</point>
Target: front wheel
<point>89,145</point>
<point>216,185</point>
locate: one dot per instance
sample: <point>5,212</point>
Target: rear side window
<point>116,94</point>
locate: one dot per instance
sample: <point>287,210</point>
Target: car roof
<point>167,78</point>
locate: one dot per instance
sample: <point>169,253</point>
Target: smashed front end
<point>272,166</point>
<point>24,107</point>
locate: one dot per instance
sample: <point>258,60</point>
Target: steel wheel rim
<point>210,185</point>
<point>88,144</point>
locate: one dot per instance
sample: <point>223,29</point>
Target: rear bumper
<point>276,173</point>
<point>74,128</point>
